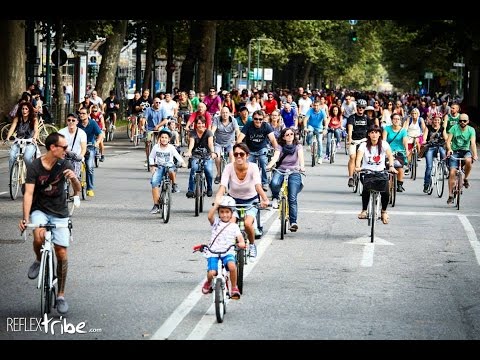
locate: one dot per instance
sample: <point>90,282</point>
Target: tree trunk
<point>60,96</point>
<point>188,65</point>
<point>170,61</point>
<point>12,66</point>
<point>306,75</point>
<point>110,58</point>
<point>208,30</point>
<point>147,75</point>
<point>138,60</point>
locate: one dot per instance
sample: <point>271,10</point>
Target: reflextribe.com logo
<point>46,325</point>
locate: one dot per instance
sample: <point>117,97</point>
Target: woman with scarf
<point>289,155</point>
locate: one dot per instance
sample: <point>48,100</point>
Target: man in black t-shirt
<point>256,134</point>
<point>44,202</point>
<point>357,125</point>
<point>110,107</point>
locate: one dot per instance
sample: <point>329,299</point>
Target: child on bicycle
<point>162,153</point>
<point>224,233</point>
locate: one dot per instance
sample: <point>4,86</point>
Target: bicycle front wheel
<point>314,153</point>
<point>219,300</point>
<point>70,193</point>
<point>14,179</point>
<point>333,148</point>
<point>44,131</point>
<point>46,293</point>
<point>83,181</point>
<point>440,179</point>
<point>373,216</point>
<point>198,193</point>
<point>393,190</point>
<point>459,190</point>
<point>283,218</point>
<point>240,265</point>
<point>167,199</point>
<point>413,174</point>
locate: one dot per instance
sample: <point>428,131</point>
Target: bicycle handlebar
<point>288,171</point>
<point>203,247</point>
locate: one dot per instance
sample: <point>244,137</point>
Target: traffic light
<point>420,83</point>
<point>353,36</point>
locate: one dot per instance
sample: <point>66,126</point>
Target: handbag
<point>423,149</point>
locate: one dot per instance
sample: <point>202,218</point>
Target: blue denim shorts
<point>60,236</point>
<point>459,154</point>
<point>212,262</point>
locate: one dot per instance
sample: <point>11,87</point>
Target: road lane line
<point>472,236</point>
<point>209,318</point>
<point>3,192</point>
<point>195,295</point>
<point>367,256</point>
<point>405,213</point>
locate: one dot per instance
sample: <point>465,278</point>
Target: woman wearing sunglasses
<point>288,156</point>
<point>242,179</point>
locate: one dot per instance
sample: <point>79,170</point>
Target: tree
<point>12,66</point>
<point>208,31</point>
<point>108,66</point>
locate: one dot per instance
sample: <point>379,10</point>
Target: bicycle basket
<point>377,181</point>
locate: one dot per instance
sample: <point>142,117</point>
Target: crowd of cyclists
<point>259,130</point>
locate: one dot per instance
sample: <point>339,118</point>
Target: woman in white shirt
<point>371,155</point>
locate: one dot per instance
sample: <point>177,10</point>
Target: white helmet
<point>369,107</point>
<point>227,202</point>
<point>361,103</point>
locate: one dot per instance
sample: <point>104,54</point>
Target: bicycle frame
<point>165,200</point>
<point>374,208</point>
<point>46,277</point>
<point>200,185</point>
<point>459,176</point>
<point>18,171</point>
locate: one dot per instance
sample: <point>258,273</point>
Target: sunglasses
<point>463,121</point>
<point>289,134</point>
<point>63,147</point>
<point>257,119</point>
<point>239,154</point>
<point>71,120</point>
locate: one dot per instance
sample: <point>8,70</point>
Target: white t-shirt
<point>372,160</point>
<point>81,137</point>
<point>225,239</point>
<point>161,156</point>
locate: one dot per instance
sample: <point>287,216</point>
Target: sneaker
<point>425,188</point>
<point>206,288</point>
<point>209,192</point>
<point>407,171</point>
<point>114,127</point>
<point>253,251</point>
<point>338,146</point>
<point>34,270</point>
<point>155,209</point>
<point>217,179</point>
<point>102,158</point>
<point>265,187</point>
<point>466,183</point>
<point>320,161</point>
<point>293,227</point>
<point>90,193</point>
<point>131,140</point>
<point>350,182</point>
<point>190,194</point>
<point>275,203</point>
<point>326,158</point>
<point>175,188</point>
<point>235,293</point>
<point>450,200</point>
<point>62,305</point>
<point>400,188</point>
<point>145,164</point>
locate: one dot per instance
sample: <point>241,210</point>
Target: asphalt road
<point>133,277</point>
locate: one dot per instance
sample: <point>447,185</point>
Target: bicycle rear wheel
<point>83,181</point>
<point>14,179</point>
<point>440,179</point>
<point>414,165</point>
<point>219,300</point>
<point>458,190</point>
<point>240,264</point>
<point>283,217</point>
<point>69,193</point>
<point>167,199</point>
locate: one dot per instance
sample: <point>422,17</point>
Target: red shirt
<point>270,105</point>
<point>193,116</point>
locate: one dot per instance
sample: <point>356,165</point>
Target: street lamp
<point>250,57</point>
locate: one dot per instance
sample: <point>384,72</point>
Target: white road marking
<point>195,295</point>
<point>3,192</point>
<point>472,237</point>
<point>402,213</point>
<point>368,249</point>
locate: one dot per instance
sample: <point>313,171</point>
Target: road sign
<point>268,74</point>
<point>428,75</point>
<point>59,59</point>
<point>459,64</point>
<point>352,22</point>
